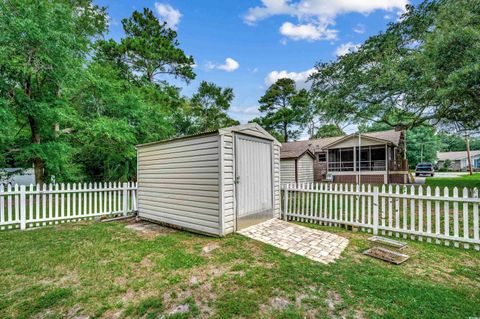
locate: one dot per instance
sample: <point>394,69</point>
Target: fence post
<point>285,206</point>
<point>375,210</point>
<point>125,199</point>
<point>23,207</point>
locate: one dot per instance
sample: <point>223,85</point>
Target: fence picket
<point>476,230</point>
<point>420,212</point>
<point>412,211</point>
<point>429,214</point>
<point>455,216</point>
<point>16,203</point>
<point>9,203</point>
<point>367,208</point>
<point>397,209</point>
<point>405,213</point>
<point>29,212</point>
<point>465,218</point>
<point>363,205</point>
<point>38,205</point>
<point>2,206</point>
<point>90,203</point>
<point>340,207</point>
<point>390,209</point>
<point>437,215</point>
<point>446,215</point>
<point>335,202</point>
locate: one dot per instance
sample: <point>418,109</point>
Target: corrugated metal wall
<point>178,183</point>
<point>190,182</point>
<point>228,178</point>
<point>228,184</point>
<point>254,171</point>
<point>276,180</point>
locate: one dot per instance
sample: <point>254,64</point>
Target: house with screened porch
<point>376,157</point>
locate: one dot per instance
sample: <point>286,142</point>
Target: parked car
<point>425,169</point>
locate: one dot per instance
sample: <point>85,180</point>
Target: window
<point>322,157</point>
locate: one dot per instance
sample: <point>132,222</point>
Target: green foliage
<point>75,105</point>
<point>44,45</point>
<point>284,109</point>
<point>456,143</point>
<point>209,106</point>
<point>329,130</point>
<point>422,145</point>
<point>423,69</point>
<point>151,48</point>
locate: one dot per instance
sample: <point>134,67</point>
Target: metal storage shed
<point>214,182</point>
<point>296,166</point>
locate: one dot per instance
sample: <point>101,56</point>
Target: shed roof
<point>294,149</point>
<point>455,156</point>
<point>221,131</point>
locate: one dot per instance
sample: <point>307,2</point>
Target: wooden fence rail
<point>39,205</point>
<point>440,215</point>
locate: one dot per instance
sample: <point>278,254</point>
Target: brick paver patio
<point>314,244</point>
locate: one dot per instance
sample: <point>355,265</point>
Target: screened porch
<point>369,158</point>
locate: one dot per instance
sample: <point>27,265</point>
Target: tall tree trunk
<point>38,164</point>
<point>285,132</point>
<point>469,159</point>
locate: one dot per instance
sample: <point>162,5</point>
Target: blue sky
<point>248,44</point>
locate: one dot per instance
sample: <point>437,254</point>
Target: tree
<point>114,115</point>
<point>329,130</point>
<point>284,109</point>
<point>412,73</point>
<point>44,45</point>
<point>209,106</point>
<point>423,145</point>
<point>149,50</point>
<point>455,143</point>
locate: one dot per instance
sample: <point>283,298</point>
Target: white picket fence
<point>420,212</point>
<point>39,205</point>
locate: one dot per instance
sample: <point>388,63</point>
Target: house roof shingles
<point>455,156</point>
<point>296,149</point>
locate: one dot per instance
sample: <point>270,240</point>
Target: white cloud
<point>299,77</point>
<point>308,31</point>
<point>229,65</point>
<point>346,48</point>
<point>168,14</point>
<point>316,17</point>
<point>359,28</point>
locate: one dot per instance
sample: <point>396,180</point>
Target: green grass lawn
<point>105,270</point>
<point>470,181</point>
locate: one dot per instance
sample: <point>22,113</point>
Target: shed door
<point>253,179</point>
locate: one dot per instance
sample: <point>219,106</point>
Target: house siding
<point>305,169</point>
<point>287,167</point>
<point>178,183</point>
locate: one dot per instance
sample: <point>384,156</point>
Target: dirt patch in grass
<point>149,230</point>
